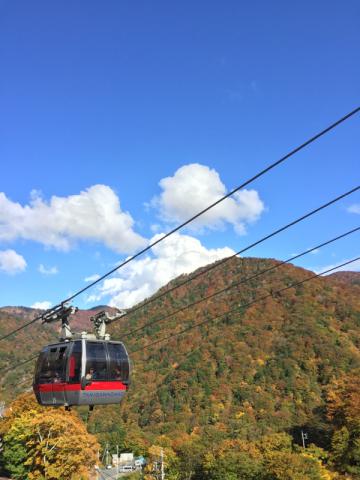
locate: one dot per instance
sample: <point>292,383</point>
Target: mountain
<point>256,370</point>
<point>253,371</point>
<point>18,348</point>
<point>351,278</point>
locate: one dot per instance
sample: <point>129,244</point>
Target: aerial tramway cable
<point>211,267</point>
<point>20,364</point>
<point>209,207</point>
<point>239,252</point>
<point>240,282</point>
<point>194,217</point>
<point>258,274</point>
<point>245,305</point>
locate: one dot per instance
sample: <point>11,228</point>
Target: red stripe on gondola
<point>71,387</point>
<point>72,365</point>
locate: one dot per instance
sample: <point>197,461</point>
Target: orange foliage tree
<point>46,443</point>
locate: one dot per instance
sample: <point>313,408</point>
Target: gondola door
<point>59,369</point>
<point>43,380</point>
<point>49,382</point>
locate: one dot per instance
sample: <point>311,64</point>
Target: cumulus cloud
<point>92,278</point>
<point>94,214</point>
<point>352,267</point>
<point>11,262</point>
<point>45,305</point>
<point>48,270</point>
<point>355,208</point>
<point>141,278</point>
<point>193,187</point>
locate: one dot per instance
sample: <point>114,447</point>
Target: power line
<point>194,217</point>
<point>242,281</point>
<point>246,305</point>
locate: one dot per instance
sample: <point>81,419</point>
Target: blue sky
<point>102,101</point>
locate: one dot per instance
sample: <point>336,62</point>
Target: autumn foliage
<point>230,399</point>
<point>46,443</point>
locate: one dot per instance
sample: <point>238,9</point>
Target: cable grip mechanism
<point>61,313</point>
<point>101,319</point>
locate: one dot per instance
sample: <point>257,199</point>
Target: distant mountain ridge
<point>351,278</point>
<point>79,321</point>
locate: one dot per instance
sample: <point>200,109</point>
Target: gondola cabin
<point>82,372</point>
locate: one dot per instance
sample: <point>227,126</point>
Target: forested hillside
<point>268,368</point>
<point>19,348</point>
<point>244,384</point>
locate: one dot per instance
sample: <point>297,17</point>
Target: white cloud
<point>92,278</point>
<point>355,208</point>
<point>155,228</point>
<point>193,187</point>
<point>11,262</point>
<point>94,214</point>
<point>42,305</point>
<point>351,267</point>
<point>48,271</point>
<point>141,278</point>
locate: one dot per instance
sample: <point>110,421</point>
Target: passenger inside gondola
<point>60,369</point>
<point>91,374</point>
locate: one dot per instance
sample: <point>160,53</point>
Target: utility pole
<point>106,455</point>
<point>304,436</point>
<point>117,461</point>
<point>162,464</point>
<point>97,467</point>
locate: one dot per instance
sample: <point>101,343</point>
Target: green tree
<point>190,455</point>
<point>46,443</point>
<point>343,408</point>
<point>294,466</point>
<point>233,465</point>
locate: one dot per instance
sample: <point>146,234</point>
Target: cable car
<point>90,370</point>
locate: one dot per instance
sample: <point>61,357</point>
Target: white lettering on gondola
<point>102,394</point>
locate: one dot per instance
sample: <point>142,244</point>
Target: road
<point>110,474</point>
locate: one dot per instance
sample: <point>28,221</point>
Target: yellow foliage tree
<point>47,443</point>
